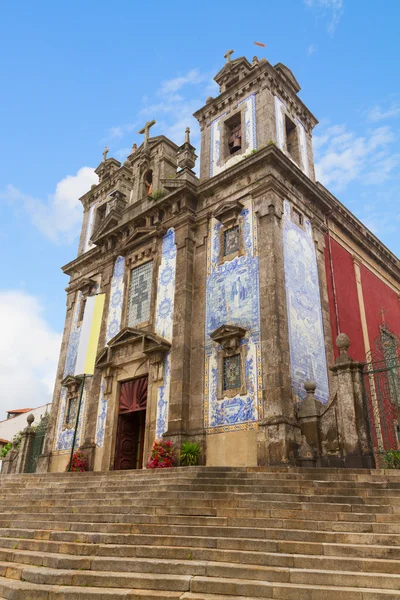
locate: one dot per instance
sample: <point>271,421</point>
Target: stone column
<point>353,426</point>
<point>25,446</point>
<point>276,431</point>
<point>43,464</point>
<point>178,413</point>
<point>319,240</point>
<point>308,415</point>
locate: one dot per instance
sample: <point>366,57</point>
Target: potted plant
<point>190,454</point>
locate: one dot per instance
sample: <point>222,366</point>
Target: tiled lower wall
<point>306,335</point>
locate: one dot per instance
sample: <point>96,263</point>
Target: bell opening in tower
<point>234,133</point>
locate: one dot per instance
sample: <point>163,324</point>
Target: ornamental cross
<point>382,312</point>
<point>228,55</point>
<point>105,152</point>
<point>146,131</point>
<point>141,295</point>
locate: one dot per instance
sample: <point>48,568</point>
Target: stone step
<point>201,533</point>
<point>185,561</point>
<point>203,588</point>
<point>346,547</point>
<point>128,518</point>
<point>21,590</point>
<point>158,575</point>
<point>198,532</point>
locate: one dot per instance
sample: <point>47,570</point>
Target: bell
<point>235,142</point>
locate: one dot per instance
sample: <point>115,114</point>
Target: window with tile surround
<point>231,372</point>
<point>231,240</point>
<point>292,140</point>
<point>297,217</point>
<point>234,133</point>
<point>140,294</point>
<point>70,412</point>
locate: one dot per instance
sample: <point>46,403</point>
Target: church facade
<point>224,294</point>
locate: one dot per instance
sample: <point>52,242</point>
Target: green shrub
<point>392,459</point>
<point>5,450</point>
<point>190,453</point>
<point>158,194</point>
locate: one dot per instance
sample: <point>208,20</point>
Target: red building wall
<point>340,269</point>
<point>376,294</point>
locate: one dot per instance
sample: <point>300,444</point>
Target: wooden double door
<point>131,424</point>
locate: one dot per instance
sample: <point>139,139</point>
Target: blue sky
<point>78,75</point>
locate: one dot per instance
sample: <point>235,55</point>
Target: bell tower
<point>258,105</point>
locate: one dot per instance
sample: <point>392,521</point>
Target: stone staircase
<point>201,534</point>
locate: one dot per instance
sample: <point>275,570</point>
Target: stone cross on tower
<point>228,55</point>
<point>187,135</point>
<point>105,152</point>
<point>146,131</point>
<point>382,312</point>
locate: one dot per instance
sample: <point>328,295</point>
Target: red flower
<point>162,455</point>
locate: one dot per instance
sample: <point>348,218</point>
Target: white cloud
<point>332,9</point>
<point>28,352</point>
<point>117,132</point>
<point>342,156</point>
<point>377,113</point>
<point>173,85</point>
<point>311,49</point>
<point>59,218</point>
<point>174,112</point>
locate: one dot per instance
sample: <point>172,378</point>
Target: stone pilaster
<point>308,415</point>
<point>319,240</point>
<point>25,446</point>
<point>178,413</point>
<point>43,464</point>
<point>353,425</point>
<point>277,428</point>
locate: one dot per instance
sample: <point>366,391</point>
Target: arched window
<point>148,182</point>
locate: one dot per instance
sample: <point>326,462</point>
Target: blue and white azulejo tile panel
<point>163,399</point>
<point>232,298</point>
<point>166,287</point>
<point>64,437</point>
<point>250,136</point>
<point>306,336</point>
<point>101,416</point>
<point>69,369</point>
<point>116,300</point>
<point>165,321</point>
<point>113,327</point>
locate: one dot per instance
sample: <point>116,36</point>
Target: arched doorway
<point>131,424</point>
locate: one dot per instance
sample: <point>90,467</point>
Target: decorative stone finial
<point>228,55</point>
<point>105,152</point>
<point>343,343</point>
<point>310,386</point>
<point>30,418</point>
<point>187,135</point>
<point>209,99</point>
<point>134,147</point>
<point>255,60</point>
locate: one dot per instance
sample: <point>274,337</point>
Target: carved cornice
<point>228,336</point>
<point>261,75</point>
